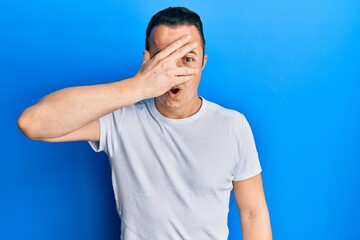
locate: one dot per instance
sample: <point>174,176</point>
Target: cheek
<point>191,64</point>
<point>194,82</point>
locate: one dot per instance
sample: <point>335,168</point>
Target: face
<point>183,101</point>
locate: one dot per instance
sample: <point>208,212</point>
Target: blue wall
<point>292,67</point>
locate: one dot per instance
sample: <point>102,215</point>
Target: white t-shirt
<point>172,178</point>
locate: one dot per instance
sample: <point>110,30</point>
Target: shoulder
<point>224,114</point>
<point>228,121</point>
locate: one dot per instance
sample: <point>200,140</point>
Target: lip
<point>172,94</point>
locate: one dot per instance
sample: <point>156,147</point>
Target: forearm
<point>256,226</point>
<point>66,110</point>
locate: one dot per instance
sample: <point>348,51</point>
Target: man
<point>175,157</point>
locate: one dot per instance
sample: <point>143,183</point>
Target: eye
<point>189,59</point>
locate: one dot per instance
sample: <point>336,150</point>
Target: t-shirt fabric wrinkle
<point>172,178</point>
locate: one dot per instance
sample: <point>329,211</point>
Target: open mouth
<point>175,91</point>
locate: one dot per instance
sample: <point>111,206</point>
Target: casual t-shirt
<point>172,178</point>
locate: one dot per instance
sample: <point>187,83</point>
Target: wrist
<point>138,88</point>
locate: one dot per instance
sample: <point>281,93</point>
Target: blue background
<point>292,67</point>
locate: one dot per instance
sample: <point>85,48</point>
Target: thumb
<point>146,56</point>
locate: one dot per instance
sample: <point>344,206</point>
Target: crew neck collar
<point>161,117</point>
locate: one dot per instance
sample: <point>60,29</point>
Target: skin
<point>254,214</point>
<point>175,59</point>
<point>187,101</point>
<point>72,114</point>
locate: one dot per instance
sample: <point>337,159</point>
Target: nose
<point>179,63</point>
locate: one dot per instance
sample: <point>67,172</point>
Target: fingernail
<point>188,36</point>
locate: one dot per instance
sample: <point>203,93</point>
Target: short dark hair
<point>175,16</point>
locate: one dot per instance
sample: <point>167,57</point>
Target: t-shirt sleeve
<point>107,129</point>
<point>248,164</point>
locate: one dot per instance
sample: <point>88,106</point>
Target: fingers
<point>185,71</point>
<point>182,51</point>
<point>173,47</point>
<point>182,79</point>
<point>183,74</point>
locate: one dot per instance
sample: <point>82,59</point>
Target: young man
<point>175,157</point>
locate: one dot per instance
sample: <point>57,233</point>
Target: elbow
<point>26,125</point>
<point>256,224</point>
<point>250,215</point>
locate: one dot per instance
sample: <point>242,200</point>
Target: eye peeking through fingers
<point>188,60</point>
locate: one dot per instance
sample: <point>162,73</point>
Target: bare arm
<point>67,110</point>
<point>255,220</point>
<point>72,113</point>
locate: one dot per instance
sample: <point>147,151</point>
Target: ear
<point>204,61</point>
<point>146,56</point>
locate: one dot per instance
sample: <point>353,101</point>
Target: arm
<point>72,113</point>
<point>254,215</point>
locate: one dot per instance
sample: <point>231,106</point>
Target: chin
<point>171,103</point>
